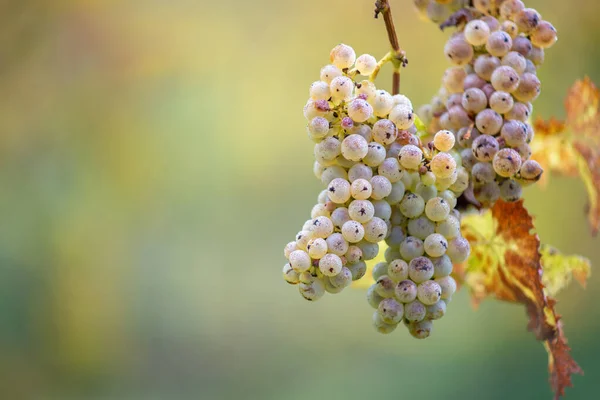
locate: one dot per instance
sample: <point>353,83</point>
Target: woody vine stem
<point>397,56</point>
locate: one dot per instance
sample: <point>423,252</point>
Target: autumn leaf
<point>560,269</point>
<point>506,263</point>
<point>572,147</point>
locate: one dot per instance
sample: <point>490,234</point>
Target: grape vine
<point>440,195</point>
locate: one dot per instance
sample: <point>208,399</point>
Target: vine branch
<point>398,58</point>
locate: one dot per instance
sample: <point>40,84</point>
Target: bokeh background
<point>154,162</point>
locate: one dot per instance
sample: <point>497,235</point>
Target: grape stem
<point>398,56</point>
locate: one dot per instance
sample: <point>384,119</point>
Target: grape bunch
<point>486,96</point>
<point>414,285</point>
<point>381,184</point>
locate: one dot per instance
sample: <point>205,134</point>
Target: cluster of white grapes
<point>414,285</point>
<point>486,95</point>
<point>381,184</point>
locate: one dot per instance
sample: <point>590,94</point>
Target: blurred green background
<point>153,164</point>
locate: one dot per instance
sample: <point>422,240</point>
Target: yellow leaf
<point>559,269</point>
<point>572,148</point>
<point>506,263</point>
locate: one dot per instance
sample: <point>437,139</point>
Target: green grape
<point>415,311</point>
<point>529,88</point>
<point>411,247</point>
<point>487,194</point>
<point>412,205</point>
<point>396,237</point>
<point>458,51</point>
<point>291,246</point>
<point>516,61</point>
<point>381,326</point>
<point>382,187</point>
<point>544,35</point>
<point>421,227</point>
<point>482,173</point>
<point>330,288</point>
<point>361,189</point>
<point>319,90</point>
<point>458,250</point>
<point>343,279</point>
<point>361,171</point>
<point>337,244</point>
<point>429,292</point>
<point>299,261</point>
<point>397,270</point>
<point>501,102</point>
<point>428,178</point>
<point>449,228</point>
<point>436,311</point>
<point>420,269</point>
<point>477,33</point>
<point>375,230</point>
<point>379,270</point>
<point>527,20</point>
<point>312,291</point>
<point>447,285</point>
<point>373,298</point>
<point>358,270</point>
<point>359,111</point>
<point>385,286</point>
<point>437,209</point>
<point>406,291</point>
<point>410,157</point>
<point>382,209</point>
<point>426,192</point>
<point>390,168</point>
<point>382,102</point>
<point>391,254</point>
<point>317,248</point>
<point>485,65</point>
<point>443,165</point>
<point>514,133</point>
<point>531,170</point>
<point>488,122</point>
<point>369,250</point>
<point>499,43</point>
<point>420,329</point>
<point>435,245</point>
<point>397,193</point>
<point>507,162</point>
<point>442,266</point>
<point>510,190</point>
<point>485,148</point>
<point>330,265</point>
<point>384,132</point>
<point>505,79</point>
<point>391,311</point>
<point>289,275</point>
<point>474,100</point>
<point>339,190</point>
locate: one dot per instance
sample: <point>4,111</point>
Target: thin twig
<point>399,56</point>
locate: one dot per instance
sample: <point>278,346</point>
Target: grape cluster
<point>381,183</point>
<point>414,285</point>
<point>486,96</point>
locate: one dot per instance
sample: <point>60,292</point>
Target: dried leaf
<point>505,263</point>
<point>572,148</point>
<point>560,363</point>
<point>560,269</point>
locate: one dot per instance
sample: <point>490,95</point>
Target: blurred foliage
<point>153,162</point>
